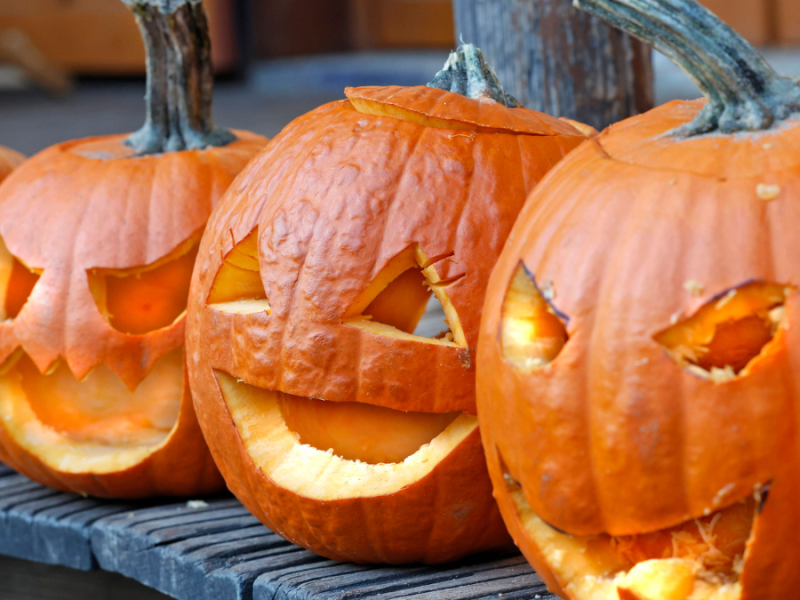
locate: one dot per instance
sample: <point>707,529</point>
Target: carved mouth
<point>701,559</point>
<point>333,450</point>
<point>96,424</point>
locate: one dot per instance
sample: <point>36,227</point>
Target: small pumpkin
<point>99,238</point>
<point>639,350</point>
<point>331,420</point>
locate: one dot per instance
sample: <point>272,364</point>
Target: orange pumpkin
<point>331,420</point>
<point>99,238</point>
<point>638,352</point>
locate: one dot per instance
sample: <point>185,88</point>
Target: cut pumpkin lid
<point>439,108</point>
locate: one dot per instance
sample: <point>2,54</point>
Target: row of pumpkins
<point>635,379</point>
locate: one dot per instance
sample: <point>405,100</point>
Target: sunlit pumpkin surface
<point>701,559</point>
<point>319,449</point>
<point>94,424</point>
<point>354,431</point>
<point>728,333</point>
<point>532,335</point>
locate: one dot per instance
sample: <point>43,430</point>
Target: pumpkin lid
<point>465,95</point>
<point>443,108</point>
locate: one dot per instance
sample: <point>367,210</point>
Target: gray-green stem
<point>180,78</point>
<point>466,72</point>
<point>744,93</point>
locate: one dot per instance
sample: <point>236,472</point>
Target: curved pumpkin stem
<point>466,72</point>
<point>744,93</point>
<point>180,80</point>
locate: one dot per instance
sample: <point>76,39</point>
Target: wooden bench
<point>214,549</point>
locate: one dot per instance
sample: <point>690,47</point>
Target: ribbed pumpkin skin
<point>614,436</point>
<point>66,212</point>
<point>335,197</point>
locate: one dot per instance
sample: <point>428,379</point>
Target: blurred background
<point>73,68</point>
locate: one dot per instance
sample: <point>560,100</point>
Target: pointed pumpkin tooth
<point>661,579</point>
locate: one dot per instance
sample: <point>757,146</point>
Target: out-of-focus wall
<point>101,36</point>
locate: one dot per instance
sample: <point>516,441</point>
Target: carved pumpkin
<point>331,420</point>
<point>99,238</point>
<point>639,346</point>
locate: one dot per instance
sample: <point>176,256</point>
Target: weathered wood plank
<point>26,580</point>
<point>218,551</point>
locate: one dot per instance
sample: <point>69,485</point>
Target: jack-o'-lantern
<point>640,341</point>
<point>335,423</point>
<point>99,238</point>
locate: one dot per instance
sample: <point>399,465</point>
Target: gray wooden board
<point>221,552</point>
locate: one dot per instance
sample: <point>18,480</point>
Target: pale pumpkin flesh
<point>94,425</point>
<point>701,559</point>
<point>331,450</point>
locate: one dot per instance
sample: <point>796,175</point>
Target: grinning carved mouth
<point>95,424</point>
<point>701,559</point>
<point>332,450</point>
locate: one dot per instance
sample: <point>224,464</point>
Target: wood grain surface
<point>208,550</point>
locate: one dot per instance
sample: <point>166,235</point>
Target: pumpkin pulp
<point>727,334</point>
<point>701,559</point>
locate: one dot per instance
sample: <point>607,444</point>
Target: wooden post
<point>559,60</point>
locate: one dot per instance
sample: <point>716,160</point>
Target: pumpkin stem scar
<point>466,72</point>
<point>180,79</point>
<point>744,93</point>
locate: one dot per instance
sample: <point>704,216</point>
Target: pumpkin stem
<point>180,80</point>
<point>744,93</point>
<point>466,72</point>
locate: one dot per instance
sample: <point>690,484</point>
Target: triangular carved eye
<point>725,336</point>
<point>237,287</point>
<point>394,304</point>
<point>17,281</point>
<point>532,331</point>
<point>143,299</point>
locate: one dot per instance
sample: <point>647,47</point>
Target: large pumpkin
<point>639,353</point>
<point>99,238</point>
<point>330,419</point>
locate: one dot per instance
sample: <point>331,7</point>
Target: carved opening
<point>701,559</point>
<point>143,299</point>
<point>93,425</point>
<point>397,301</point>
<point>354,431</point>
<point>728,334</point>
<point>17,281</point>
<point>532,331</point>
<point>237,287</point>
<point>286,455</point>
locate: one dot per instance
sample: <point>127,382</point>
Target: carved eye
<point>143,299</point>
<point>532,331</point>
<point>394,303</point>
<point>723,338</point>
<point>17,281</point>
<point>237,287</point>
